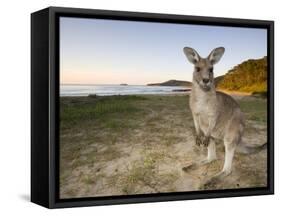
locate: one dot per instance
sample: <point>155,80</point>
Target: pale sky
<point>98,51</point>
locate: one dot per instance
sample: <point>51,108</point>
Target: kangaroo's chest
<point>203,106</point>
<point>204,112</point>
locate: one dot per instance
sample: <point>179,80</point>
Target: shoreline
<point>114,90</point>
<point>174,93</point>
<point>93,95</point>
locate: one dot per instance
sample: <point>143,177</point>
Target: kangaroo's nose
<point>206,80</point>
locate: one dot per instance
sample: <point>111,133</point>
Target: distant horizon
<point>111,83</point>
<point>119,83</point>
<point>113,52</point>
<point>143,83</point>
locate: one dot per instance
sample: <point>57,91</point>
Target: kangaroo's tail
<point>246,149</point>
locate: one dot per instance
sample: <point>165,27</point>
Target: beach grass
<point>114,145</point>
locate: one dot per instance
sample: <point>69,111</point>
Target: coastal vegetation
<point>249,76</point>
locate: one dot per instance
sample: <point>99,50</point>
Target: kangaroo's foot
<point>189,167</point>
<point>207,161</point>
<point>195,165</point>
<point>212,181</point>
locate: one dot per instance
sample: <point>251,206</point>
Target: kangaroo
<point>216,115</point>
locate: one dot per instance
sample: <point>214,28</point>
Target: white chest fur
<point>203,103</point>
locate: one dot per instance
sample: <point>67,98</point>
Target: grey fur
<point>216,115</point>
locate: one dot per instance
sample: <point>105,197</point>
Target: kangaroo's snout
<point>206,80</point>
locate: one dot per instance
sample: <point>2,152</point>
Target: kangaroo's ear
<point>216,55</point>
<point>191,55</point>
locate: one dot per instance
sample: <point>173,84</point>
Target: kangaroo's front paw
<point>206,141</point>
<point>198,140</point>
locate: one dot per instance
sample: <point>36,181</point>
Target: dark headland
<point>173,83</point>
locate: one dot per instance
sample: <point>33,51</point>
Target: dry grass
<point>138,144</point>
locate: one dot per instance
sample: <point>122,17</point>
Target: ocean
<point>107,90</point>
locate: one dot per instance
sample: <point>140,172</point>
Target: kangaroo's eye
<point>211,70</point>
<point>197,69</point>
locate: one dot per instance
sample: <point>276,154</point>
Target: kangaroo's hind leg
<point>230,144</point>
<point>229,154</point>
<point>231,141</point>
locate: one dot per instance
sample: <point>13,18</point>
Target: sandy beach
<point>118,145</point>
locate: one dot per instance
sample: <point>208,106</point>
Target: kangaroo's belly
<point>204,121</point>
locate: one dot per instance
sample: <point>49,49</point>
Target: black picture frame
<point>45,106</point>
